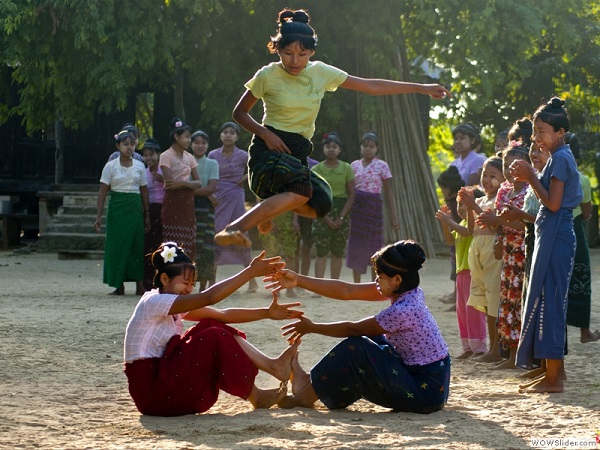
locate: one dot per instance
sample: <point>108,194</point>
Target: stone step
<point>52,242</point>
<point>80,226</point>
<point>80,254</point>
<point>78,210</point>
<point>80,200</point>
<point>68,219</point>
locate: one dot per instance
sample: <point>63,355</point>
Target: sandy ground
<point>62,382</point>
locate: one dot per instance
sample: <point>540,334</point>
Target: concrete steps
<point>70,232</point>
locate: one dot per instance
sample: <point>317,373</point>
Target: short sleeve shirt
<point>370,178</point>
<point>586,187</point>
<point>412,330</point>
<point>181,167</point>
<point>156,190</point>
<point>291,102</point>
<point>208,169</point>
<point>337,178</point>
<point>462,244</point>
<point>151,327</point>
<point>469,165</point>
<point>563,167</point>
<point>124,179</point>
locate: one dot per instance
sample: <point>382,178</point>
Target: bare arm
<point>207,190</point>
<point>367,326</point>
<point>337,289</point>
<point>586,210</point>
<point>552,197</point>
<point>102,193</point>
<point>241,114</point>
<point>260,266</point>
<point>376,86</point>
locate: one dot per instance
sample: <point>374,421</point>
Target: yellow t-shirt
<point>291,102</point>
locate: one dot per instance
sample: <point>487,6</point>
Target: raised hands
<point>261,266</point>
<point>282,312</point>
<point>295,330</point>
<point>281,279</point>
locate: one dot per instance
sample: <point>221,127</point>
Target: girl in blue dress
<point>559,191</point>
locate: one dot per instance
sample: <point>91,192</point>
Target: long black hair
<point>404,258</point>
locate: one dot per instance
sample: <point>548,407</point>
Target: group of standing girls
<point>525,220</point>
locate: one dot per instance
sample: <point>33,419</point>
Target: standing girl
<point>510,235</point>
<point>559,192</point>
<point>291,91</point>
<point>372,175</point>
<point>181,180</point>
<point>156,194</point>
<point>331,232</point>
<point>471,322</point>
<point>230,195</point>
<point>172,374</point>
<point>484,292</point>
<point>204,201</point>
<point>127,216</point>
<point>397,359</point>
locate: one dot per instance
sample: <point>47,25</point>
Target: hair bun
<point>300,16</point>
<point>288,15</point>
<point>176,123</point>
<point>556,102</point>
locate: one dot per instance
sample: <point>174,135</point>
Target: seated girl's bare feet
<point>282,366</point>
<point>265,227</point>
<point>232,237</point>
<point>589,336</point>
<point>543,385</point>
<point>265,398</point>
<point>304,394</point>
<point>465,355</point>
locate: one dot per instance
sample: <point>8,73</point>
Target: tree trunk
<point>59,155</point>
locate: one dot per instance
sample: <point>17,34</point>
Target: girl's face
<point>182,284</point>
<point>463,144</point>
<point>229,136</point>
<point>125,147</point>
<point>331,150</point>
<point>537,157</point>
<point>150,157</point>
<point>491,178</point>
<point>183,139</point>
<point>386,285</point>
<point>368,149</point>
<point>294,58</point>
<point>506,162</point>
<point>500,144</point>
<point>199,146</point>
<point>545,137</point>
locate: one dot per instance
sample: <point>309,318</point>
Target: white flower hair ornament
<point>168,254</point>
<point>179,123</point>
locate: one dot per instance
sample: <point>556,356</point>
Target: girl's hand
<point>521,170</point>
<point>487,218</point>
<point>281,312</point>
<point>171,184</point>
<point>329,222</point>
<point>466,196</point>
<point>510,213</point>
<point>281,279</point>
<point>274,142</point>
<point>158,177</point>
<point>97,225</point>
<point>435,91</point>
<point>261,266</point>
<point>213,200</point>
<point>296,330</point>
<point>442,215</point>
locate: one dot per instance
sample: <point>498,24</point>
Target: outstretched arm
<point>260,266</point>
<point>337,289</point>
<point>376,86</point>
<point>240,315</point>
<point>368,326</point>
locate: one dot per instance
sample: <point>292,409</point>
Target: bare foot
<point>476,355</point>
<point>252,286</point>
<point>449,298</point>
<point>265,227</point>
<point>265,398</point>
<point>282,366</point>
<point>465,355</point>
<point>589,336</point>
<point>118,291</point>
<point>534,373</point>
<point>506,365</point>
<point>452,308</point>
<point>232,237</point>
<point>544,385</point>
<point>289,292</point>
<point>489,357</point>
<point>304,394</point>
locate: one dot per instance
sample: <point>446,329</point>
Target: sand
<point>62,382</point>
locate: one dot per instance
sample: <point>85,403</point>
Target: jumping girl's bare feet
<point>232,237</point>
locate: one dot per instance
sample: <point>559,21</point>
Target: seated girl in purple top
<point>397,359</point>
